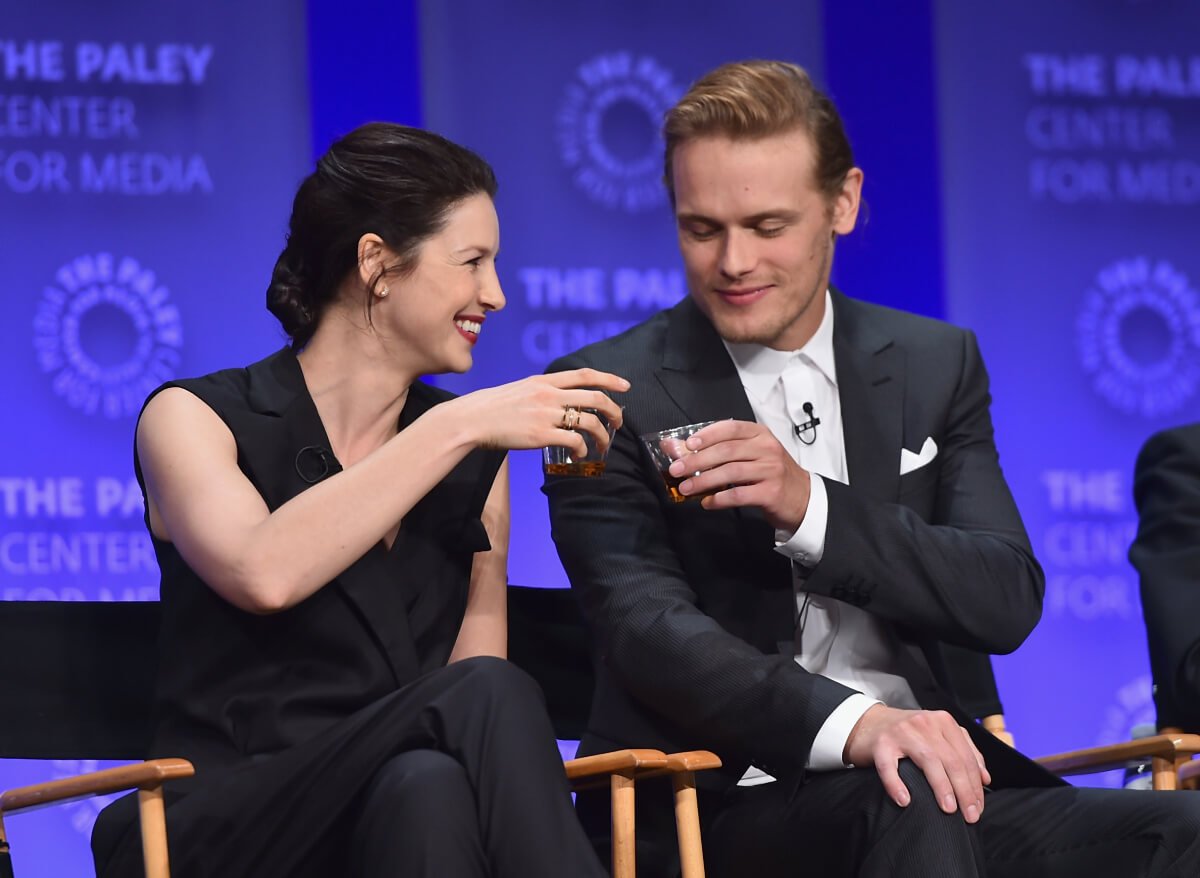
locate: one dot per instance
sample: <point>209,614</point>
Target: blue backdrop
<point>1031,173</point>
<point>148,154</point>
<point>1071,180</point>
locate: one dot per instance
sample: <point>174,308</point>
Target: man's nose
<point>737,254</point>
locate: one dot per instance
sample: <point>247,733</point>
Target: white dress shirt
<point>833,638</point>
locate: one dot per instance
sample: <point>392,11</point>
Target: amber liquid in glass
<point>673,492</point>
<point>588,468</point>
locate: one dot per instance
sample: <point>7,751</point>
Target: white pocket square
<point>910,461</point>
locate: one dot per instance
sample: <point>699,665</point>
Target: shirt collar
<point>759,367</point>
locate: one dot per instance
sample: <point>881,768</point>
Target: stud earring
<point>382,291</point>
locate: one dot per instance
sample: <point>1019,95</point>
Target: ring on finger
<point>570,417</point>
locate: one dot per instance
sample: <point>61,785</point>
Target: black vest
<point>233,685</point>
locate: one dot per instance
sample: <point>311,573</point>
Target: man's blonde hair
<point>748,100</point>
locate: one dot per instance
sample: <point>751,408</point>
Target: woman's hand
<point>536,412</point>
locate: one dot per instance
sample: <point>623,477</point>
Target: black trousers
<point>843,824</point>
<point>456,774</point>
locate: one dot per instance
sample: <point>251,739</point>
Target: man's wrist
<point>831,743</point>
<point>806,545</point>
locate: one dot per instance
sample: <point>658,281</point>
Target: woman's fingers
<point>588,378</point>
<point>554,409</point>
<point>594,402</point>
<point>584,389</point>
<point>572,440</point>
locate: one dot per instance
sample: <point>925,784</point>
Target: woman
<point>332,536</point>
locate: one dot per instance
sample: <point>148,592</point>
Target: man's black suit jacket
<point>1166,553</point>
<point>693,612</point>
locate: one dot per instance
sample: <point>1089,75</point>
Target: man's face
<point>757,235</point>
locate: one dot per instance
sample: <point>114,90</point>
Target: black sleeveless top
<point>233,685</point>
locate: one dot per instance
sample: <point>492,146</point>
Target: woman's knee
<point>416,773</point>
<point>493,676</point>
<point>418,809</point>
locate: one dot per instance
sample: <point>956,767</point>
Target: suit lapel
<point>870,375</point>
<point>285,455</point>
<point>697,372</point>
<point>699,376</point>
<point>701,379</point>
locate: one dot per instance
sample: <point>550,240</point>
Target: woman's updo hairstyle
<point>395,181</point>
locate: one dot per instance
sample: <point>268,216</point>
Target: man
<point>791,621</point>
<point>1166,553</point>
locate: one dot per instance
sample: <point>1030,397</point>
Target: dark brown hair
<point>400,183</point>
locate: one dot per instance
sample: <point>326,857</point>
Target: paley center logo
<point>107,334</point>
<point>609,129</point>
<point>1132,706</point>
<point>82,813</point>
<point>1139,336</point>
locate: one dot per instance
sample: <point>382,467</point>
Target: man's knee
<point>923,801</point>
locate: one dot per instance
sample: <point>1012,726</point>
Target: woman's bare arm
<point>263,561</point>
<point>484,628</point>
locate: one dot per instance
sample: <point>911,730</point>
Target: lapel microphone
<point>809,426</point>
<point>314,463</point>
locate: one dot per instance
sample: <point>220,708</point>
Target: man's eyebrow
<point>769,215</point>
<point>749,221</point>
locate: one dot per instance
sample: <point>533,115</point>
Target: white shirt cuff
<point>807,545</point>
<point>830,742</point>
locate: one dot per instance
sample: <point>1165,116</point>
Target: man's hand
<point>744,464</point>
<point>938,745</point>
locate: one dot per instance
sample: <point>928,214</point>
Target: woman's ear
<point>371,255</point>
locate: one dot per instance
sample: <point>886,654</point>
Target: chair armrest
<point>994,723</point>
<point>142,775</point>
<point>692,760</point>
<point>620,769</point>
<point>588,772</point>
<point>1170,747</point>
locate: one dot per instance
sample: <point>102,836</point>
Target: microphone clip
<point>809,426</point>
<point>314,463</point>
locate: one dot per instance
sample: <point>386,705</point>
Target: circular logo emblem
<point>82,813</point>
<point>107,333</point>
<point>1139,336</point>
<point>608,129</point>
<point>1131,713</point>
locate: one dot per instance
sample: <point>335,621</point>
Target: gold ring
<point>570,418</point>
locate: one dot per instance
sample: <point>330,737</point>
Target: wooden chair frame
<point>73,707</point>
<point>1170,755</point>
<point>619,769</point>
<point>550,618</point>
<point>146,777</point>
<point>624,768</point>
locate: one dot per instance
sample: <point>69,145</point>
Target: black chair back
<point>549,640</point>
<point>77,680</point>
<point>972,681</point>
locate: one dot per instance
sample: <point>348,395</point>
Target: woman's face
<point>438,311</point>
